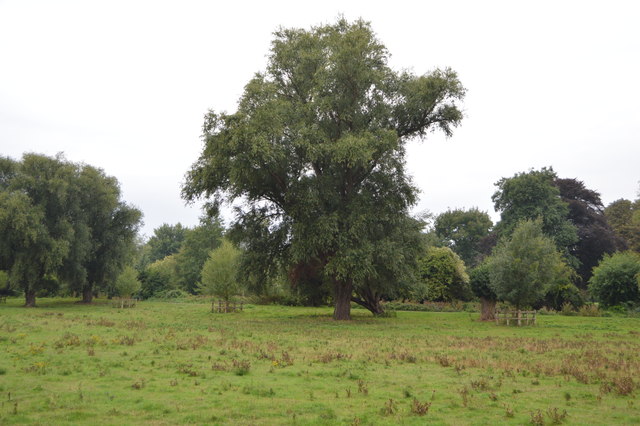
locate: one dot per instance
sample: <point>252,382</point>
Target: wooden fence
<point>221,306</point>
<point>519,317</point>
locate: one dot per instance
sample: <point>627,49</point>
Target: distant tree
<point>127,283</point>
<point>443,276</point>
<point>166,240</point>
<point>616,279</point>
<point>524,266</point>
<point>197,245</point>
<point>624,217</point>
<point>595,237</point>
<point>316,150</point>
<point>159,277</point>
<point>532,195</point>
<point>63,223</point>
<point>36,230</point>
<point>105,232</point>
<point>480,281</point>
<point>462,231</point>
<point>220,272</point>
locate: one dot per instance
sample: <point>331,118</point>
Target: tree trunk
<point>342,296</point>
<point>487,309</point>
<point>369,300</point>
<point>30,298</point>
<point>87,294</point>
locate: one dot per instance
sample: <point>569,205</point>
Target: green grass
<point>177,363</point>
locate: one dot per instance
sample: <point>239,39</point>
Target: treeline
<point>556,245</point>
<point>63,228</point>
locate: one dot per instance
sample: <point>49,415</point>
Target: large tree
<point>105,231</point>
<point>532,195</point>
<point>35,226</point>
<point>463,231</point>
<point>316,151</point>
<point>595,237</point>
<point>62,222</point>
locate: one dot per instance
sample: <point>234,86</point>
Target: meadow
<point>178,363</point>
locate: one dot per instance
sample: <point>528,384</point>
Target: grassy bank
<point>167,363</point>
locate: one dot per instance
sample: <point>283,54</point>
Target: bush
<point>616,279</point>
<point>590,310</point>
<point>127,282</point>
<point>455,306</point>
<point>562,294</point>
<point>443,276</point>
<point>159,277</point>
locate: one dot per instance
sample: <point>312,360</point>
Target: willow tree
<point>314,154</point>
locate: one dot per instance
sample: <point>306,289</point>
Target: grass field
<point>177,363</point>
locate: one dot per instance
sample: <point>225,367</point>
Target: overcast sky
<point>124,85</point>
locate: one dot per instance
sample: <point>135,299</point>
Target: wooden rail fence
<point>225,307</point>
<point>519,317</point>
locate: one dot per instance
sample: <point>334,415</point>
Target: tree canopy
<point>195,249</point>
<point>315,152</point>
<point>166,240</point>
<point>443,276</point>
<point>616,279</point>
<point>220,272</point>
<point>624,217</point>
<point>463,231</point>
<point>532,195</point>
<point>524,266</point>
<point>595,237</point>
<point>62,222</point>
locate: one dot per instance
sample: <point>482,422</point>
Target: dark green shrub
<point>616,279</point>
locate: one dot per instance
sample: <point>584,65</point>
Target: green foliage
<point>62,222</point>
<point>561,294</point>
<point>595,236</point>
<point>316,151</point>
<point>616,279</point>
<point>524,266</point>
<point>532,195</point>
<point>220,271</point>
<point>462,231</point>
<point>443,276</point>
<point>34,221</point>
<point>195,250</point>
<point>127,283</point>
<point>480,281</point>
<point>166,240</point>
<point>624,217</point>
<point>105,229</point>
<point>160,276</point>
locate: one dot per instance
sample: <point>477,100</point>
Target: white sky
<point>124,85</point>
